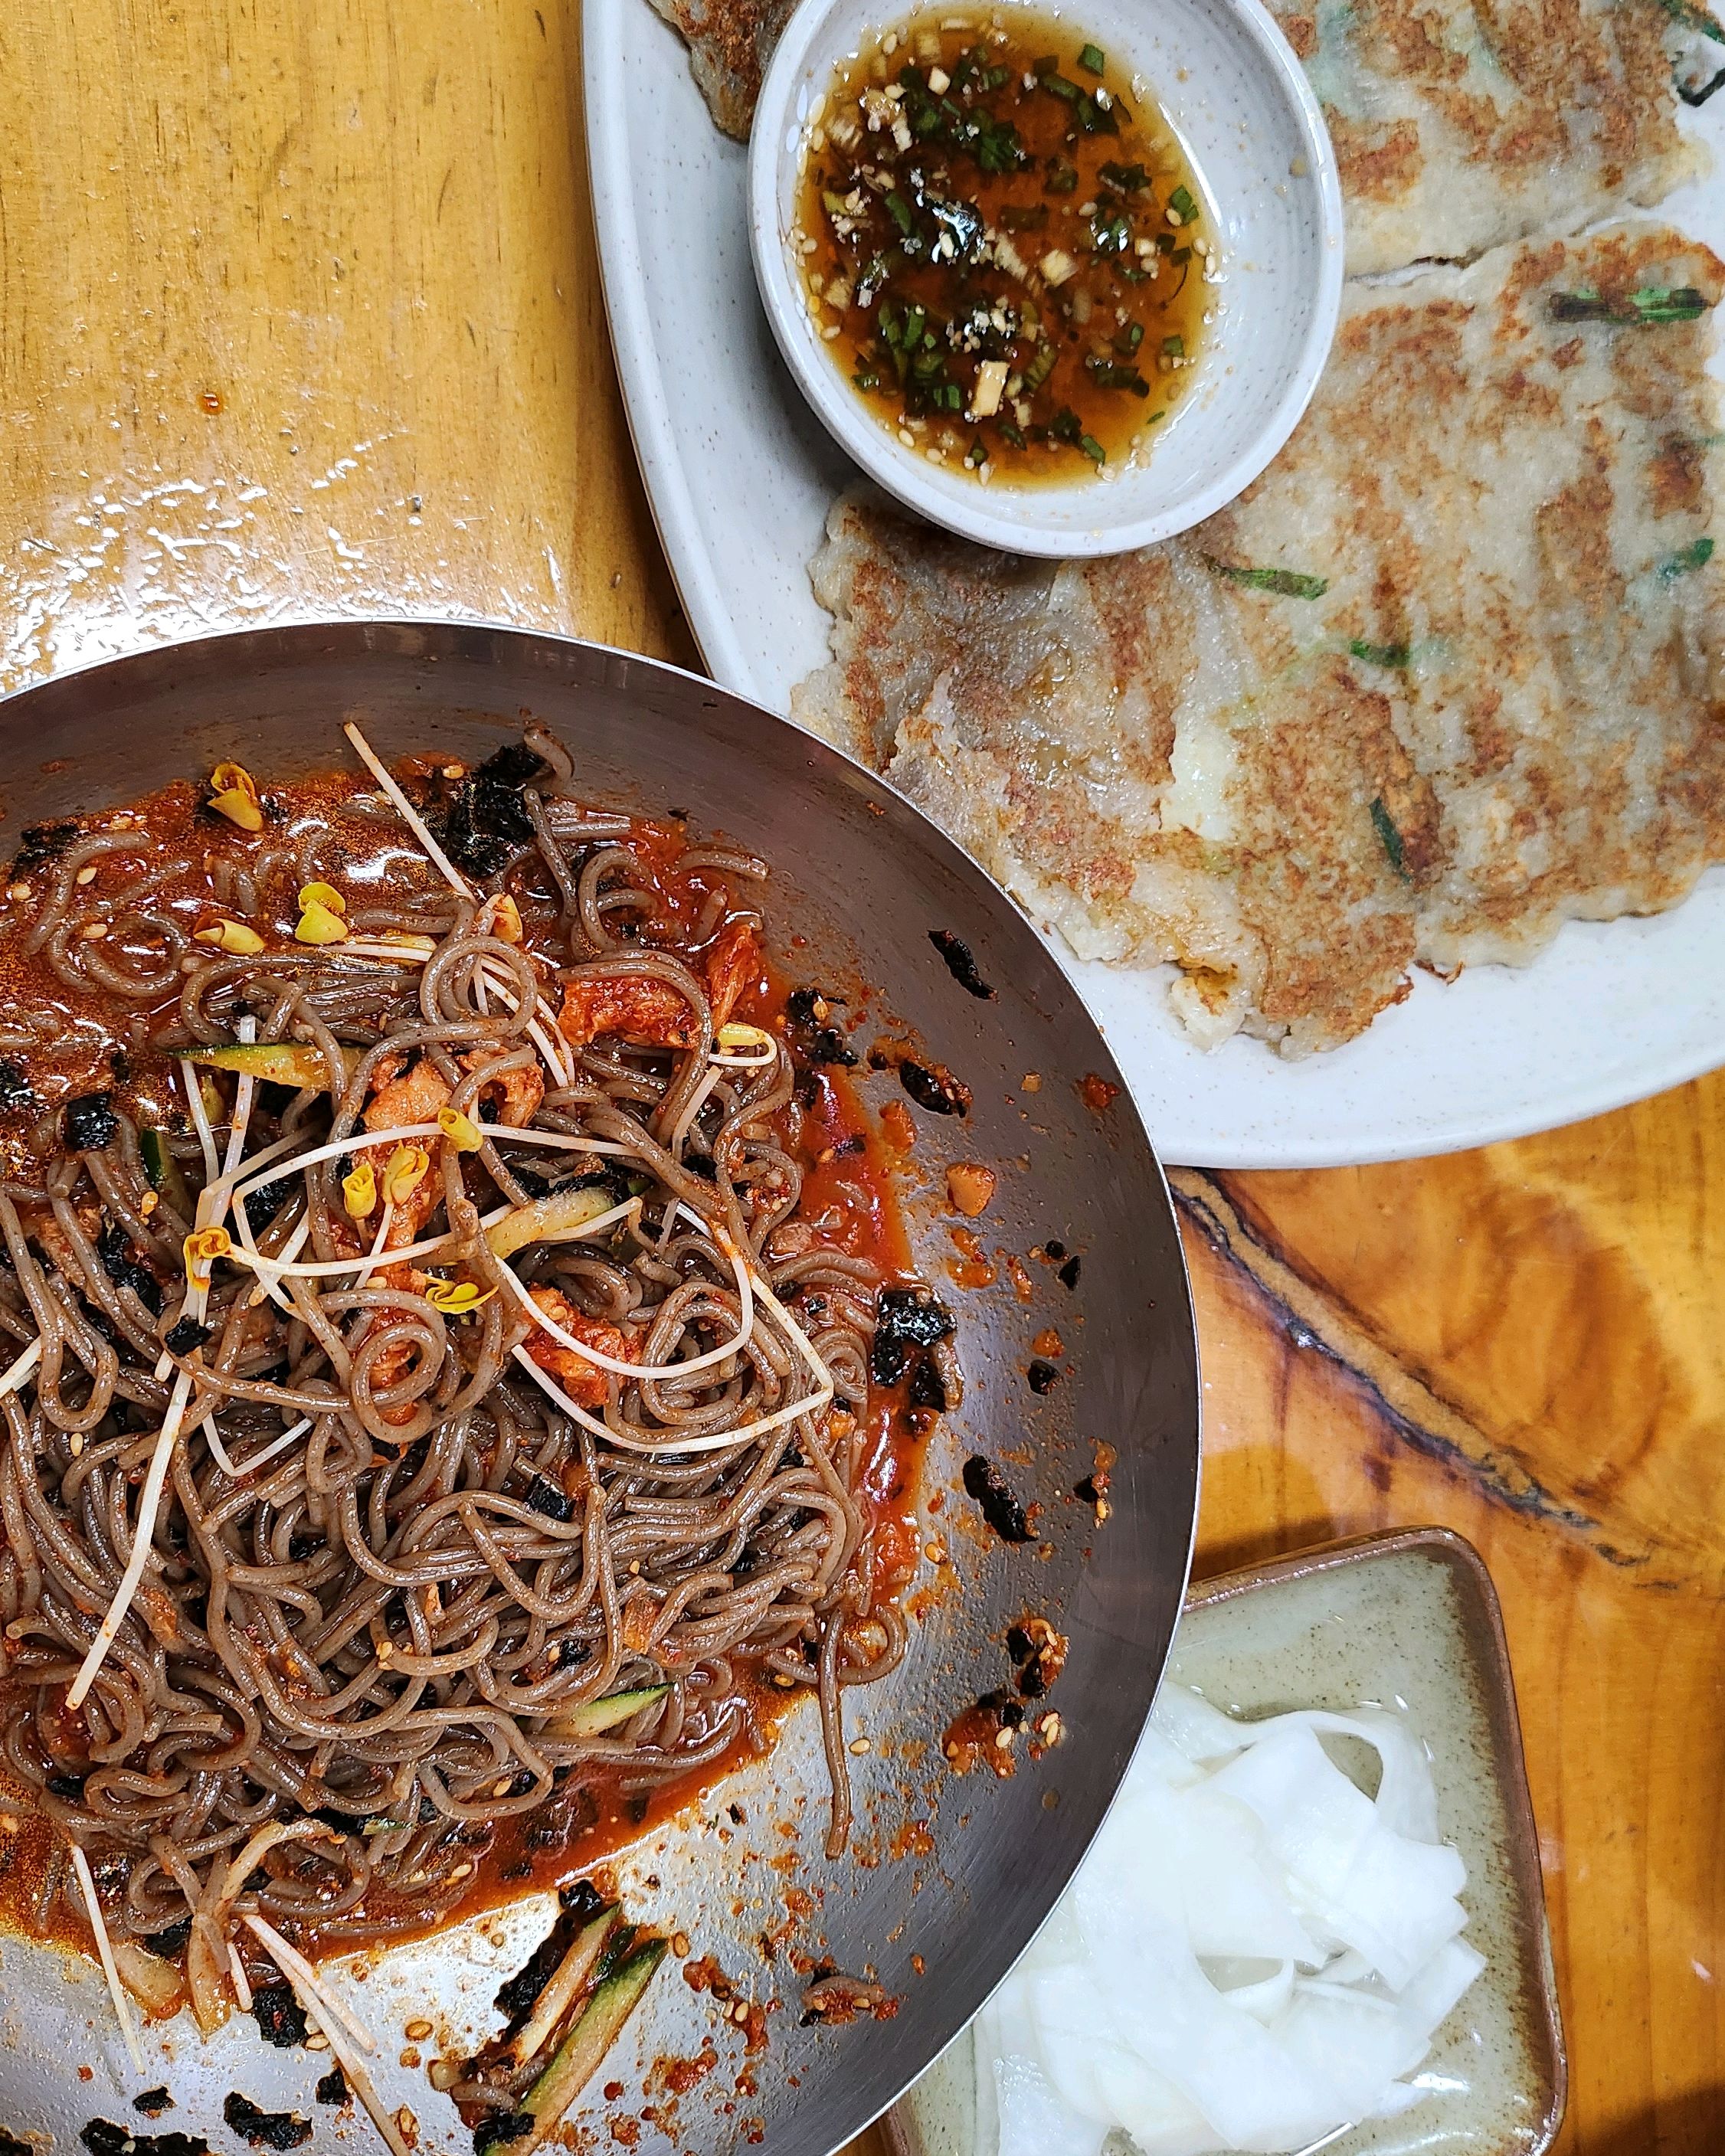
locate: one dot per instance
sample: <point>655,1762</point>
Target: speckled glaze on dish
<point>1239,102</point>
<point>1404,1622</point>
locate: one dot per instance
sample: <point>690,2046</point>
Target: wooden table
<point>299,315</point>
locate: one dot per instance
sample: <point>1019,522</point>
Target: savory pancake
<point>1436,683</point>
<point>1462,123</point>
<point>730,43</point>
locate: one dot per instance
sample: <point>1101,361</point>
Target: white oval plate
<point>740,475</point>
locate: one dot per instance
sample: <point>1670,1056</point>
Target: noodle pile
<point>597,1433</point>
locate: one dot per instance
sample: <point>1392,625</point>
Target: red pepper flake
<point>1095,1092</point>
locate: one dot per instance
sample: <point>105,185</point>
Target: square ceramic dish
<point>1407,1621</point>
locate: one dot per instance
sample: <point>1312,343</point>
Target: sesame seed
<point>87,874</point>
<point>1003,1739</point>
<point>315,2040</point>
<point>95,931</point>
<point>18,891</point>
<point>418,2031</point>
<point>859,1745</point>
<point>907,438</point>
<point>679,1943</point>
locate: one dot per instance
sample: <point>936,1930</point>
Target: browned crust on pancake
<point>1460,125</point>
<point>1505,709</point>
<point>730,43</point>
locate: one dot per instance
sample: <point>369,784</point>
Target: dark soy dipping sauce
<point>1004,246</point>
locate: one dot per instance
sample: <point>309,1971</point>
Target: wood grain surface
<point>299,315</point>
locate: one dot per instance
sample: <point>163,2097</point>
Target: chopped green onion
<point>1093,449</point>
<point>1110,374</point>
<point>1390,838</point>
<point>1061,176</point>
<point>1130,338</point>
<point>1286,584</point>
<point>1694,18</point>
<point>1090,58</point>
<point>1695,555</point>
<point>1379,654</point>
<point>899,210</point>
<point>1040,367</point>
<point>1173,348</point>
<point>1130,179</point>
<point>1181,204</point>
<point>1653,305</point>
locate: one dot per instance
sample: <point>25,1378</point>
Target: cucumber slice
<point>553,1220</point>
<point>571,1973</point>
<point>279,1062</point>
<point>592,1717</point>
<point>581,2052</point>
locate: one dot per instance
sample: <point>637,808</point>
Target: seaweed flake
<point>1002,1511</point>
<point>960,963</point>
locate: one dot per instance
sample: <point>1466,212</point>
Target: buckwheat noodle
<point>388,1555</point>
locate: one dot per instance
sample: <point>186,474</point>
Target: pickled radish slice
<point>1257,1951</point>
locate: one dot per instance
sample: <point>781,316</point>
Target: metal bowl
<point>949,1877</point>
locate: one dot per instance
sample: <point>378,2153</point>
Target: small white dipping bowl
<point>1254,139</point>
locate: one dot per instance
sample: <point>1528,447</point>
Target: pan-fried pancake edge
<point>730,43</point>
<point>1448,675</point>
